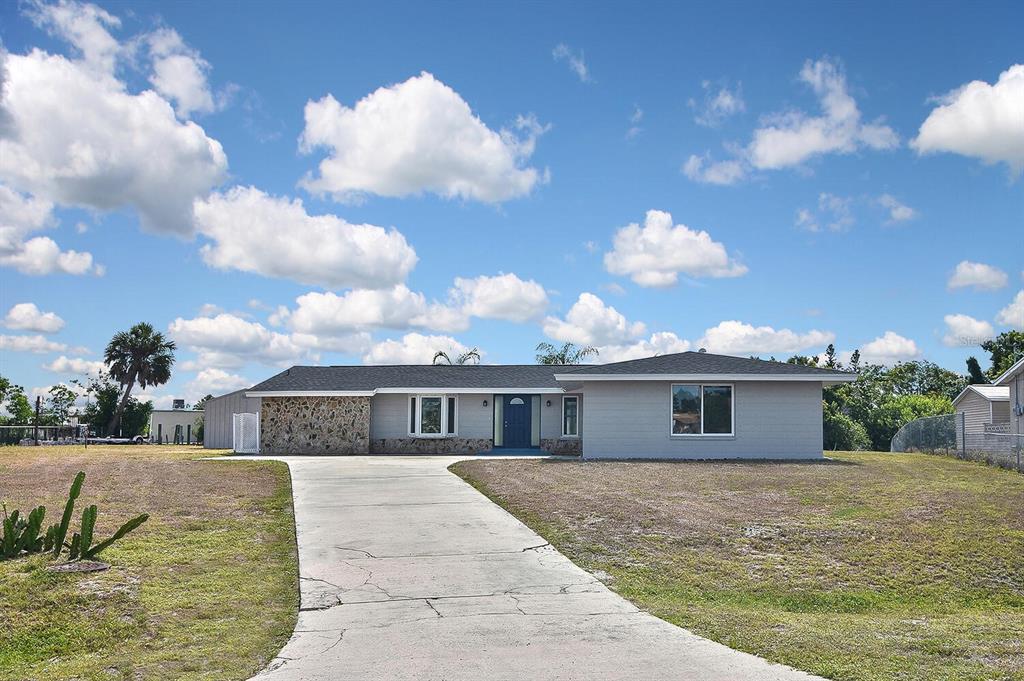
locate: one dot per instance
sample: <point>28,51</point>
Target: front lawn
<point>206,589</point>
<point>874,566</point>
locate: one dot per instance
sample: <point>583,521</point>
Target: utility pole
<point>35,427</point>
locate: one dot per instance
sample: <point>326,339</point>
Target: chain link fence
<point>947,435</point>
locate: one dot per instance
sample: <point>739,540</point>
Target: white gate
<point>245,433</point>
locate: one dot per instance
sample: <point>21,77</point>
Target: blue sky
<point>369,183</point>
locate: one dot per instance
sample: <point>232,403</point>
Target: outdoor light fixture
<point>485,403</point>
<point>549,403</point>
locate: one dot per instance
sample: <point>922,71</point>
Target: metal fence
<point>947,434</point>
<point>66,434</point>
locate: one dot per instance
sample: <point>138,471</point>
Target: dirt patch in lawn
<point>207,588</point>
<point>871,566</point>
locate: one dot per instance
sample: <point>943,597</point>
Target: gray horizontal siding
<point>217,417</point>
<point>976,412</point>
<point>631,419</point>
<point>551,417</point>
<point>389,416</point>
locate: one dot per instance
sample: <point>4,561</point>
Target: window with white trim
<point>433,415</point>
<point>699,409</point>
<point>570,416</point>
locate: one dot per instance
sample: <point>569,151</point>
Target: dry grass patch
<point>206,589</point>
<point>873,566</point>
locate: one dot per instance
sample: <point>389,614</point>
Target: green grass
<point>206,589</point>
<point>876,566</point>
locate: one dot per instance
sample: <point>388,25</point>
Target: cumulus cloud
<point>738,338</point>
<point>980,121</point>
<point>180,73</point>
<point>898,212</point>
<point>75,365</point>
<point>591,322</point>
<point>792,138</point>
<point>574,58</point>
<point>37,344</point>
<point>326,313</point>
<point>252,231</point>
<point>889,348</point>
<point>28,317</point>
<point>214,382</point>
<point>20,215</point>
<point>228,341</point>
<point>412,348</point>
<point>414,137</point>
<point>1013,314</point>
<point>657,253</point>
<point>504,296</point>
<point>41,255</point>
<point>977,275</point>
<point>963,330</point>
<point>718,104</point>
<point>661,343</point>
<point>834,213</point>
<point>76,136</point>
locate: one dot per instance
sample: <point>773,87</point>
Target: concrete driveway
<point>407,572</point>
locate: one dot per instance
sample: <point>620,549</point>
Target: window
<point>516,401</point>
<point>432,415</point>
<point>702,410</point>
<point>570,416</point>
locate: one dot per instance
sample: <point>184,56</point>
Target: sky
<point>273,184</point>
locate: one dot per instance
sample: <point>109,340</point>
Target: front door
<point>517,412</point>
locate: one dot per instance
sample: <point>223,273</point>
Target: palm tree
<point>441,357</point>
<point>139,355</point>
<point>567,354</point>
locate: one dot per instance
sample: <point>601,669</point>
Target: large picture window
<point>570,416</point>
<point>432,415</point>
<point>702,409</point>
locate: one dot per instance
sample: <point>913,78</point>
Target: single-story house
<point>984,407</point>
<point>690,405</point>
<point>1013,378</point>
<point>176,426</point>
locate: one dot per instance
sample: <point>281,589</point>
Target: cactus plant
<point>122,531</point>
<point>62,531</point>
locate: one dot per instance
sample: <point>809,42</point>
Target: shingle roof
<point>516,376</point>
<point>359,378</point>
<point>701,363</point>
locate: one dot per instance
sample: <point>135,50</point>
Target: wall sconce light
<point>548,403</point>
<point>485,403</point>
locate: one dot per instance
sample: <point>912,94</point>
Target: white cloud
<point>835,213</point>
<point>414,137</point>
<point>793,137</point>
<point>413,348</point>
<point>719,104</point>
<point>963,330</point>
<point>179,73</point>
<point>504,296</point>
<point>214,382</point>
<point>655,254</point>
<point>574,59</point>
<point>889,348</point>
<point>20,215</point>
<point>327,313</point>
<point>227,341</point>
<point>1013,314</point>
<point>635,119</point>
<point>738,338</point>
<point>591,322</point>
<point>979,120</point>
<point>37,344</point>
<point>704,169</point>
<point>41,255</point>
<point>898,212</point>
<point>76,136</point>
<point>75,365</point>
<point>977,275</point>
<point>28,317</point>
<point>275,237</point>
<point>661,343</point>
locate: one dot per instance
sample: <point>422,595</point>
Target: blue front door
<point>517,413</point>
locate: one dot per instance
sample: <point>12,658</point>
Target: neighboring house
<point>218,415</point>
<point>176,426</point>
<point>690,405</point>
<point>1013,379</point>
<point>984,408</point>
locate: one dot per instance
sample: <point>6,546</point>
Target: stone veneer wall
<point>427,445</point>
<point>315,425</point>
<point>565,445</point>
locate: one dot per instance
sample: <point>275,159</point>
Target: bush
<point>843,433</point>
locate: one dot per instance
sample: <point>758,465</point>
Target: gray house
<point>984,408</point>
<point>1013,378</point>
<point>690,405</point>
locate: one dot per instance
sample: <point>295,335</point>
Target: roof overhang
<point>1018,367</point>
<point>309,393</point>
<point>990,398</point>
<point>680,378</point>
<point>402,391</point>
